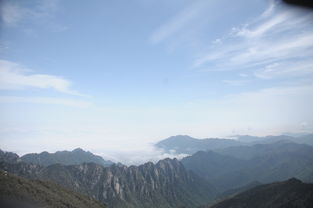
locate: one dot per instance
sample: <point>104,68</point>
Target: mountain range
<point>234,167</point>
<point>184,144</point>
<point>223,170</point>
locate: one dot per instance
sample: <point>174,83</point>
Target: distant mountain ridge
<point>164,184</point>
<point>251,151</point>
<point>302,139</point>
<point>257,139</point>
<point>237,166</point>
<point>290,194</point>
<point>75,157</point>
<point>188,145</point>
<point>184,144</point>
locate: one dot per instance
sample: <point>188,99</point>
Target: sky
<point>114,77</point>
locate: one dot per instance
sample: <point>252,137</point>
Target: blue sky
<point>115,76</point>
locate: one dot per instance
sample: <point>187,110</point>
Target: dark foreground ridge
<point>288,194</point>
<point>18,192</point>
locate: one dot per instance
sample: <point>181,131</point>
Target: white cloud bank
<point>143,154</point>
<point>97,140</point>
<point>126,136</point>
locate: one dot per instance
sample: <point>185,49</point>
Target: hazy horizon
<point>146,152</point>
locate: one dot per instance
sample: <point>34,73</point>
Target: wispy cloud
<point>264,27</point>
<point>15,14</point>
<point>16,77</point>
<point>264,23</point>
<point>180,21</point>
<point>11,14</point>
<point>269,11</point>
<point>285,69</point>
<point>264,52</point>
<point>266,45</point>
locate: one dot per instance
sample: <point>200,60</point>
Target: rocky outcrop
<point>164,184</point>
<point>9,157</point>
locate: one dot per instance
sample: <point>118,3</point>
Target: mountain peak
<point>168,163</point>
<point>188,145</point>
<point>78,150</point>
<point>169,160</point>
<point>181,137</point>
<point>8,156</point>
<point>294,180</point>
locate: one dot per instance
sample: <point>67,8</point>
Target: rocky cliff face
<point>165,184</point>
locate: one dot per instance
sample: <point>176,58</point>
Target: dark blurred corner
<point>302,3</point>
